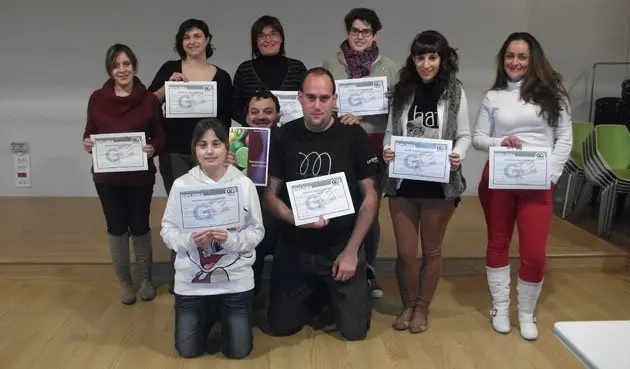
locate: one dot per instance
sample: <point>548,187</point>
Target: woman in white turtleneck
<point>526,107</point>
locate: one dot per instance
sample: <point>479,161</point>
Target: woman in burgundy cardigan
<point>123,105</point>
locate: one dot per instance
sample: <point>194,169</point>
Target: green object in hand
<point>242,157</point>
<point>236,145</point>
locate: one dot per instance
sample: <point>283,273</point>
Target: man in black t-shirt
<point>326,255</point>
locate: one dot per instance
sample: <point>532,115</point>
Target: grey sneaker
<point>373,288</point>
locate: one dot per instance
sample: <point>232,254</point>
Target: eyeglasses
<point>274,34</point>
<point>366,32</point>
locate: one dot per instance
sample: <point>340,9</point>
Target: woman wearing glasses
<point>269,68</point>
<point>359,56</point>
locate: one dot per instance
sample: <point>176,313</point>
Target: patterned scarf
<point>359,63</point>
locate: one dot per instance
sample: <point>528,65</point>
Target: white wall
<point>52,58</point>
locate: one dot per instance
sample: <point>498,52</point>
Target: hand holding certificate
<point>195,99</point>
<point>119,152</point>
<point>362,96</point>
<point>326,197</point>
<point>210,206</point>
<point>421,159</point>
<point>290,108</point>
<point>519,169</point>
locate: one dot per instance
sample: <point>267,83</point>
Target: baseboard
<point>162,271</point>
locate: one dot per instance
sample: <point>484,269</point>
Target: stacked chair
<point>606,164</point>
<point>574,168</point>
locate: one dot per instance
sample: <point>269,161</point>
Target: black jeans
<point>126,208</point>
<point>266,247</point>
<point>195,316</point>
<point>297,279</point>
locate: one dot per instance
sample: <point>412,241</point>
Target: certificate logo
<point>361,97</point>
<point>116,155</point>
<point>190,100</point>
<point>320,200</point>
<point>208,211</point>
<point>417,161</point>
<point>519,170</point>
<point>113,155</point>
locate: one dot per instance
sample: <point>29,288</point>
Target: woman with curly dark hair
<point>428,102</point>
<point>526,107</point>
<point>193,45</point>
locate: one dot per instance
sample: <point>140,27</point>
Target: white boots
<point>527,297</point>
<point>499,286</point>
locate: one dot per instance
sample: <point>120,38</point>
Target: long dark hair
<point>542,85</point>
<point>424,43</point>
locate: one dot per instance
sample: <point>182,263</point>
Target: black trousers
<point>126,208</point>
<point>266,247</point>
<point>296,298</point>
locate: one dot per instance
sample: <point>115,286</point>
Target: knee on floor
<point>237,353</point>
<point>188,351</point>
<point>278,330</point>
<point>354,333</point>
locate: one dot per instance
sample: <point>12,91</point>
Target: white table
<point>597,344</point>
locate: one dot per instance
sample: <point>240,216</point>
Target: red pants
<point>531,210</point>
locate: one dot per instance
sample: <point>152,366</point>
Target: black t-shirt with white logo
<point>297,153</point>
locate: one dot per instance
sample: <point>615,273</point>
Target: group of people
<point>327,266</point>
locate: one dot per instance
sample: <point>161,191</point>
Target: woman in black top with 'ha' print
<point>269,68</point>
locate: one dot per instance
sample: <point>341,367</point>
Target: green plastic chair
<point>574,168</point>
<point>613,150</point>
<point>613,145</point>
<point>580,131</point>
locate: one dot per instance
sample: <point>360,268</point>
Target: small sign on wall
<point>22,163</point>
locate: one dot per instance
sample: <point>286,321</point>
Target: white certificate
<point>326,196</point>
<point>195,99</point>
<point>362,96</point>
<point>290,107</point>
<point>119,152</point>
<point>210,206</point>
<point>421,159</point>
<point>524,169</point>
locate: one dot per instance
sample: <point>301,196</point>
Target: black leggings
<point>126,208</point>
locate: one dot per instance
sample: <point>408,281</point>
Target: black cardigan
<point>247,81</point>
<point>179,130</point>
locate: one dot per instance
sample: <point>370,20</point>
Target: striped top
<point>283,74</point>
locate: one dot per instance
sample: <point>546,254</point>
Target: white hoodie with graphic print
<point>214,269</point>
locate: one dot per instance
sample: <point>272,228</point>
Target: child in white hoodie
<point>214,278</point>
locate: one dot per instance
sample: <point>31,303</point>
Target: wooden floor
<point>68,324</point>
<point>59,302</point>
<point>62,237</point>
